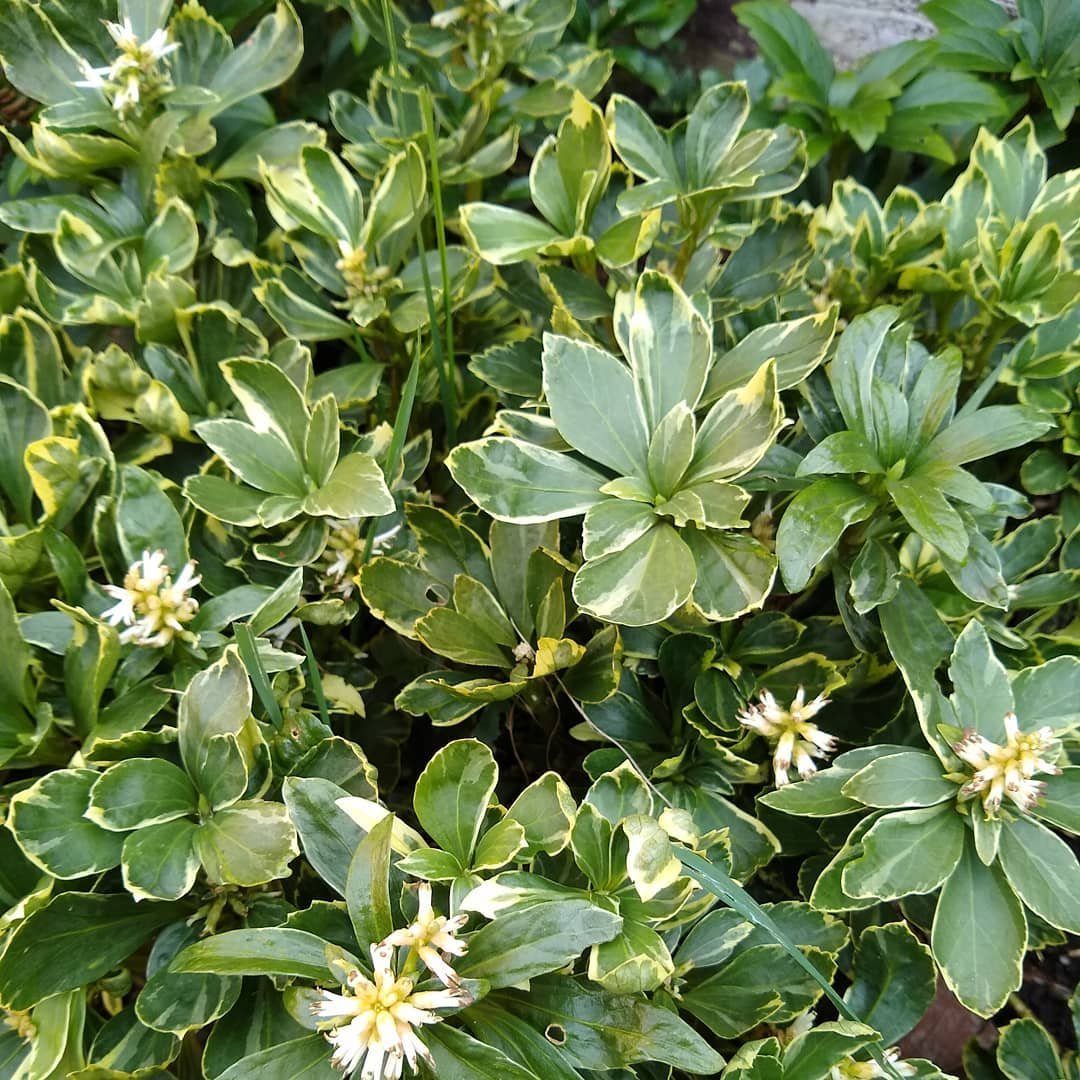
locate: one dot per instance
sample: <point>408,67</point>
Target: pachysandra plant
<point>370,369</point>
<point>969,816</point>
<point>889,457</point>
<point>663,524</point>
<point>501,605</point>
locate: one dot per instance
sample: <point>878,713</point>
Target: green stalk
<point>245,639</point>
<point>725,888</point>
<point>989,381</point>
<point>316,678</point>
<point>446,388</point>
<point>397,440</point>
<point>440,238</point>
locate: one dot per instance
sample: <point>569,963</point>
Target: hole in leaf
<point>555,1033</point>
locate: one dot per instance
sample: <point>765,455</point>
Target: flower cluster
<point>346,552</point>
<point>796,738</point>
<point>1009,769</point>
<point>135,76</point>
<point>373,1024</point>
<point>152,606</point>
<point>850,1069</point>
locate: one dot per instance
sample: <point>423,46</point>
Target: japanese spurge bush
<point>373,369</point>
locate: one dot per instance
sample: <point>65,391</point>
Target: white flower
<point>343,557</point>
<point>1009,769</point>
<point>432,935</point>
<point>134,76</point>
<point>152,606</point>
<point>850,1069</point>
<point>796,738</point>
<point>374,1022</point>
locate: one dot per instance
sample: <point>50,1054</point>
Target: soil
<point>714,38</point>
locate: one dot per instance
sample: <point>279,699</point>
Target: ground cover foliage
<point>520,559</point>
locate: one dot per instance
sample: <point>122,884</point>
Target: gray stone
<point>850,29</point>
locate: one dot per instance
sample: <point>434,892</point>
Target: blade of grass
<point>447,390</point>
<point>397,440</point>
<point>315,677</point>
<point>249,653</point>
<point>428,109</point>
<point>725,888</point>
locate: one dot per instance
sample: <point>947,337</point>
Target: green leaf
<point>499,845</point>
<point>512,547</point>
<point>820,796</point>
<point>792,49</point>
<point>146,520</point>
<point>1060,804</point>
<point>356,488</point>
<point>305,1058</point>
<point>266,58</point>
<point>841,452</point>
<point>910,851</point>
<point>814,1053</point>
<point>159,861</point>
<point>125,1043</point>
<point>1025,1051</point>
<point>592,401</point>
<point>519,482</point>
<point>73,940</point>
<point>458,1056</point>
<point>743,993</point>
<point>979,935</point>
<point>711,131</point>
<point>23,420</point>
<point>604,1030</point>
<point>930,514</point>
<point>668,343</point>
<point>48,824</point>
<point>235,504</point>
<point>519,1040</point>
<point>36,58</point>
<point>140,791</point>
<point>613,524</point>
<point>367,887</point>
<point>982,694</point>
<point>259,458</point>
<point>270,399</point>
<point>638,141</point>
<point>984,432</point>
<point>813,523</point>
<point>544,810</point>
<point>265,951</point>
<point>910,778</point>
<point>895,980</point>
<point>798,346</point>
<point>1048,694</point>
<point>501,235</point>
<point>1043,871</point>
<point>463,636</point>
<point>634,962</point>
<point>297,316</point>
<point>171,240</point>
<point>644,583</point>
<point>523,944</point>
<point>216,702</point>
<point>452,794</point>
<point>671,449</point>
<point>734,572</point>
<point>176,1002</point>
<point>875,576</point>
<point>853,368</point>
<point>249,843</point>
